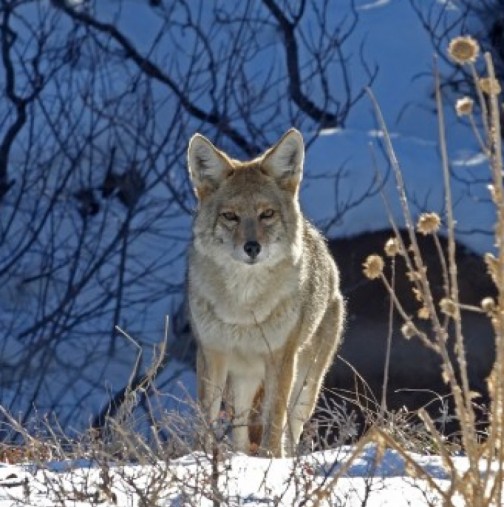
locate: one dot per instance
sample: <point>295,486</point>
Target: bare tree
<point>99,101</point>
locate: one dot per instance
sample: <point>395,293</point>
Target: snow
<point>382,479</point>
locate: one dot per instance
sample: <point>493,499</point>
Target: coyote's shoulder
<point>263,289</point>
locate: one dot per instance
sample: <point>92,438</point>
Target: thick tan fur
<point>264,294</point>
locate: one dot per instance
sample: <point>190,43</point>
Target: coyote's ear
<point>207,165</point>
<point>284,161</point>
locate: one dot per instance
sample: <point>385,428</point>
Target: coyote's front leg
<point>212,370</point>
<point>280,368</point>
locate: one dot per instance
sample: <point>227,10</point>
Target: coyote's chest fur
<point>246,309</point>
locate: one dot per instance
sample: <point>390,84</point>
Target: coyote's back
<point>263,291</point>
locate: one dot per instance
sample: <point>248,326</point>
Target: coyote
<point>264,298</point>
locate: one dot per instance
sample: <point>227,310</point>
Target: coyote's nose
<point>252,249</point>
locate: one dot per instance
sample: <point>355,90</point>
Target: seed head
<point>408,330</point>
<point>373,267</point>
<point>418,294</point>
<point>490,86</point>
<point>423,313</point>
<point>392,247</point>
<point>464,106</point>
<point>463,50</point>
<point>448,307</point>
<point>488,305</point>
<point>428,223</point>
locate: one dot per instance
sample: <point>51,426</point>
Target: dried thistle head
<point>423,313</point>
<point>428,223</point>
<point>408,330</point>
<point>489,85</point>
<point>373,266</point>
<point>488,305</point>
<point>448,307</point>
<point>463,50</point>
<point>392,247</point>
<point>419,296</point>
<point>464,106</point>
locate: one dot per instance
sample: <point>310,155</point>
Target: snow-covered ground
<point>371,480</point>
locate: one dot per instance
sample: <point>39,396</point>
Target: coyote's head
<point>248,211</point>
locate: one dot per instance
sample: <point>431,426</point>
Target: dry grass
<point>481,484</point>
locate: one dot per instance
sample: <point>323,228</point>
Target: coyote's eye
<point>267,214</point>
<point>230,216</point>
